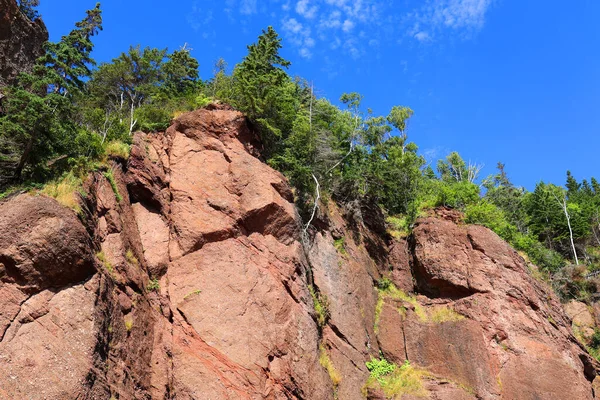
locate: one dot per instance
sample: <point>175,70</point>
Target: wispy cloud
<point>248,7</point>
<point>350,28</point>
<point>436,17</point>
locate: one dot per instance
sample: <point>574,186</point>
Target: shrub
<point>379,368</point>
<point>153,118</point>
<point>398,226</point>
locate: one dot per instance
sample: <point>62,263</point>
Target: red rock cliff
<point>21,41</point>
<point>193,283</point>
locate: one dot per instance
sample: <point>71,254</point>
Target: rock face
<point>21,41</point>
<point>189,279</point>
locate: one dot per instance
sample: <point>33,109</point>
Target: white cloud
<point>347,26</point>
<point>464,17</point>
<point>292,25</point>
<point>304,8</point>
<point>299,35</point>
<point>422,36</point>
<point>305,53</point>
<point>248,7</point>
<point>332,21</point>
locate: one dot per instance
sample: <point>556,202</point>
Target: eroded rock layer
<point>190,278</point>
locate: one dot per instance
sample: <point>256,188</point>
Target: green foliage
<point>131,258</point>
<point>109,267</point>
<point>380,368</point>
<point>399,226</point>
<point>38,125</point>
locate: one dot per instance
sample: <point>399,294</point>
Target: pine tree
<point>39,120</point>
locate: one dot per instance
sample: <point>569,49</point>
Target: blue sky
<point>496,80</point>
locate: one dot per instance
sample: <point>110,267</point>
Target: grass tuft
<point>321,304</point>
<point>109,267</point>
<point>109,175</point>
<point>65,190</point>
<point>395,381</point>
<point>326,363</point>
<point>131,258</point>
<point>117,149</point>
<point>445,314</point>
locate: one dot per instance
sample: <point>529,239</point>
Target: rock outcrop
<point>21,41</point>
<point>187,276</point>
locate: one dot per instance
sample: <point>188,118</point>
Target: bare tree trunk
<point>563,204</point>
<point>316,206</point>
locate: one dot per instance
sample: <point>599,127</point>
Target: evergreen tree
<point>263,89</point>
<point>39,121</point>
<point>29,8</point>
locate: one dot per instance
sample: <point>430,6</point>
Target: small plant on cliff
<point>113,184</point>
<point>393,380</point>
<point>340,246</point>
<point>153,285</point>
<point>190,294</point>
<point>321,304</point>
